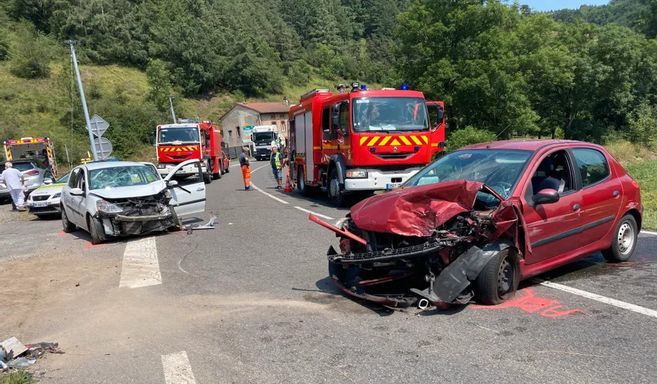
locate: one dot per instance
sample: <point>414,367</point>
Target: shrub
<point>30,53</point>
<point>468,135</point>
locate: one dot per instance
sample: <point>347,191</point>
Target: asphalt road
<point>250,301</point>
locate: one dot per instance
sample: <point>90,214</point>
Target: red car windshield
<point>499,169</point>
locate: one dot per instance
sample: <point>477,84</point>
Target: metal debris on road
<point>209,225</point>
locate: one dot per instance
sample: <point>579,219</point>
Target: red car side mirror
<point>546,196</point>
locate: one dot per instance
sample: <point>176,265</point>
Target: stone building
<point>235,123</point>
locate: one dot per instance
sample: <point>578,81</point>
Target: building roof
<point>262,107</point>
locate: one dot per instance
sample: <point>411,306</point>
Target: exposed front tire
<point>67,226</point>
<point>96,230</point>
<point>623,242</point>
<point>335,195</point>
<point>499,279</point>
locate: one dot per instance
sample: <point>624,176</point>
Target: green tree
<point>31,53</point>
<point>159,80</point>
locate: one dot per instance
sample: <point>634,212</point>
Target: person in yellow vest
<point>276,162</point>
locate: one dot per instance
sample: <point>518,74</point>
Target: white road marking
<point>602,299</point>
<point>140,266</point>
<point>177,369</point>
<point>269,194</point>
<point>314,213</point>
<point>649,233</point>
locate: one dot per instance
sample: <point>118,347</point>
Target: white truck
<point>263,138</point>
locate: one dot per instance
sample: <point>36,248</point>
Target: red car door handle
<point>576,207</point>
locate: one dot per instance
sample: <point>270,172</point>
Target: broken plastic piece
<point>20,363</point>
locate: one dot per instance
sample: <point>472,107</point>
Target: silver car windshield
<point>499,169</point>
<point>124,176</point>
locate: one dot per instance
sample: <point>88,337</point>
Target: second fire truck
<point>191,140</point>
<point>363,140</point>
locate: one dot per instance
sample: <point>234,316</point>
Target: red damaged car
<point>475,222</point>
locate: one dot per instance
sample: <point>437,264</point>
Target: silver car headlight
<point>56,195</point>
<point>105,206</point>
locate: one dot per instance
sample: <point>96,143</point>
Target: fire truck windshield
<point>390,114</point>
<point>182,134</point>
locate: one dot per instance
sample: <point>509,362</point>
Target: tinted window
<point>73,180</point>
<point>592,165</point>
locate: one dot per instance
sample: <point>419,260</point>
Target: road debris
<point>16,355</point>
<point>193,227</point>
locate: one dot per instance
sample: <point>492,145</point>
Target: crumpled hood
<point>415,211</point>
<point>129,192</point>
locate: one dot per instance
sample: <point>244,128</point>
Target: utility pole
<point>173,113</point>
<point>71,43</point>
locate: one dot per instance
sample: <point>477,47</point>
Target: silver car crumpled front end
<point>137,215</point>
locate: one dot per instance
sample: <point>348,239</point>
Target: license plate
<point>40,204</point>
<point>391,186</point>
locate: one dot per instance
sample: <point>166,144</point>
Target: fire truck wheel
<point>218,174</point>
<point>301,181</point>
<point>335,194</point>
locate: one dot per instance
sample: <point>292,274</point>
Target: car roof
<point>525,144</point>
<point>113,164</point>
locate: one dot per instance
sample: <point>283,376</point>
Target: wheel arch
<point>637,216</point>
<point>337,162</point>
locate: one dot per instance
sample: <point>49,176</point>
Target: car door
<point>601,193</point>
<point>552,228</point>
<point>71,202</point>
<point>187,188</point>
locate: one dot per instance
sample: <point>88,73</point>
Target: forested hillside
<point>503,70</point>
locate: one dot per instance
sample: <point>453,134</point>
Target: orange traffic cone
<point>288,186</point>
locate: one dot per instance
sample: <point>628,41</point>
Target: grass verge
<point>16,377</point>
<point>645,173</point>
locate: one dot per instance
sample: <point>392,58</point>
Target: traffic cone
<point>288,186</point>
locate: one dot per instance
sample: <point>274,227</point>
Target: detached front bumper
<point>379,180</point>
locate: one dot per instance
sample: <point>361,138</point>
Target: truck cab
<point>363,140</point>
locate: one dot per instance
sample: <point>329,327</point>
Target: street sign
<point>247,128</point>
<point>98,125</point>
<point>103,148</point>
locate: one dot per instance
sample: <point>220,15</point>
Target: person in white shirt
<point>13,179</point>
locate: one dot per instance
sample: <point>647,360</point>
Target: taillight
<point>31,172</point>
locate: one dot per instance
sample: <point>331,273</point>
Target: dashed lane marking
<point>600,298</point>
<point>314,213</point>
<point>140,266</point>
<point>177,369</point>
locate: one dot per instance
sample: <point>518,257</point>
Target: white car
<point>120,198</point>
<point>45,200</point>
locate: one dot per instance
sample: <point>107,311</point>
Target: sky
<point>550,5</point>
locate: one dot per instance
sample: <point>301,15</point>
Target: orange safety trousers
<point>246,175</point>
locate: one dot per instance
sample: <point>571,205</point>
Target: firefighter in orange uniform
<point>246,168</point>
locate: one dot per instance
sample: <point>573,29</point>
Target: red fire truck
<point>363,140</point>
<point>191,140</point>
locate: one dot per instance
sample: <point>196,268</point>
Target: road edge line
<point>314,213</point>
<point>600,298</point>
